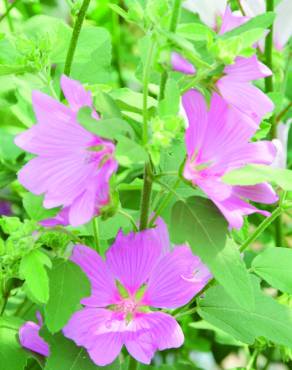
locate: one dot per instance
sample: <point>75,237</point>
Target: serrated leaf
<point>274,266</point>
<point>198,222</point>
<point>267,318</point>
<point>68,285</point>
<point>33,270</point>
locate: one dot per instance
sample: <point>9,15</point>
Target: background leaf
<point>198,222</point>
<point>68,285</point>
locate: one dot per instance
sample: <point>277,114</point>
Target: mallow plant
<point>145,184</point>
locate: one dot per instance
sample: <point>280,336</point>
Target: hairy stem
<point>75,36</point>
<point>172,28</point>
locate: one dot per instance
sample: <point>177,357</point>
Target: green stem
<point>9,19</point>
<point>164,203</point>
<point>75,36</point>
<point>116,36</point>
<point>146,77</point>
<point>277,212</point>
<point>269,49</point>
<point>133,364</point>
<point>172,28</point>
<point>240,7</point>
<point>253,359</point>
<point>96,234</point>
<point>129,217</point>
<point>8,10</point>
<point>146,196</point>
<point>185,313</point>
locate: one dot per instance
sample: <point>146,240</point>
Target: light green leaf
<point>195,31</point>
<point>256,173</point>
<point>12,356</point>
<point>261,21</point>
<point>267,318</point>
<point>14,69</point>
<point>33,205</point>
<point>274,265</point>
<point>130,100</point>
<point>170,104</point>
<point>8,150</point>
<point>33,270</point>
<point>106,105</point>
<point>68,285</point>
<point>108,128</point>
<point>198,222</point>
<point>128,152</point>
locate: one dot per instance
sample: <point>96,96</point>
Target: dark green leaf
<point>198,222</point>
<point>68,285</point>
<point>66,355</point>
<point>267,318</point>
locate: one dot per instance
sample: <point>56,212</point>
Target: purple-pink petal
<point>181,64</point>
<point>30,338</point>
<point>132,257</point>
<point>247,69</point>
<point>231,21</point>
<point>152,331</point>
<point>66,170</point>
<point>261,193</point>
<point>103,288</point>
<point>176,279</point>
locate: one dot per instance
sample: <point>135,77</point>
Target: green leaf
<point>274,266</point>
<point>68,285</point>
<point>267,318</point>
<point>14,69</point>
<point>170,104</point>
<point>33,206</point>
<point>106,105</point>
<point>12,356</point>
<point>256,173</point>
<point>66,355</point>
<point>8,150</point>
<point>195,31</point>
<point>260,21</point>
<point>128,152</point>
<point>33,270</point>
<point>107,128</point>
<point>198,222</point>
<point>130,100</point>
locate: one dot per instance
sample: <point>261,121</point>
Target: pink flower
<point>218,141</point>
<point>236,87</point>
<point>151,276</point>
<point>72,166</point>
<point>30,339</point>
